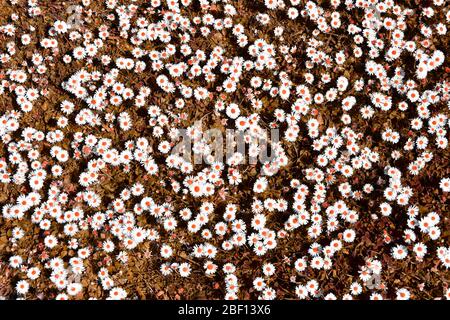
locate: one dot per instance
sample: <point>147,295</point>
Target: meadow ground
<point>94,95</point>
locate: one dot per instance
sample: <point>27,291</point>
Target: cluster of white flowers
<point>87,160</point>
